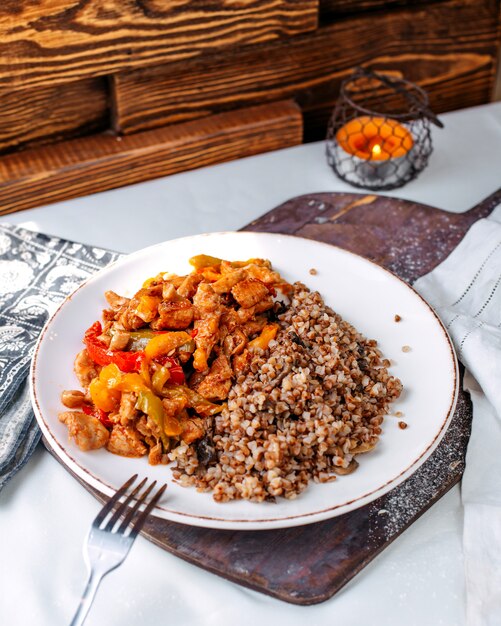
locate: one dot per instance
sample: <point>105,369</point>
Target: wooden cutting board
<point>309,564</point>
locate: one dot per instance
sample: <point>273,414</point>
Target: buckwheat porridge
<point>248,386</point>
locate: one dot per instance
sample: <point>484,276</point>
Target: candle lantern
<point>379,134</point>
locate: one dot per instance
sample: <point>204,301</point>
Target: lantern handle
<point>392,84</point>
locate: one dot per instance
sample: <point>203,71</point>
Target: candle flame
<point>376,150</point>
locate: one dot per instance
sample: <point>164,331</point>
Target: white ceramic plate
<point>362,292</point>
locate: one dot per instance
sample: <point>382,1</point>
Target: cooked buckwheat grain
<point>308,405</point>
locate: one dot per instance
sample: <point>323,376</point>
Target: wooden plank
<point>36,116</point>
<point>91,164</point>
<point>344,7</point>
<point>51,41</point>
<point>448,47</point>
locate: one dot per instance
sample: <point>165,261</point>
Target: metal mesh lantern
<point>379,133</point>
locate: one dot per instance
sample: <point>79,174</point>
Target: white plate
<point>363,293</point>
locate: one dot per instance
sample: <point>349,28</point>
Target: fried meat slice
<point>86,430</point>
<point>216,385</point>
<point>227,281</point>
<point>126,441</point>
<point>249,292</point>
<point>208,312</point>
<point>85,368</point>
<point>175,311</point>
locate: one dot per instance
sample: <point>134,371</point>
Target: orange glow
<point>375,138</point>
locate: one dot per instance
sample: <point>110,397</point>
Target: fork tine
<point>133,510</point>
<point>124,506</point>
<point>109,505</point>
<point>139,523</point>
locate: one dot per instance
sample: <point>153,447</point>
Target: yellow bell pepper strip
<point>153,280</point>
<point>172,426</point>
<point>160,345</point>
<point>102,355</point>
<point>115,380</point>
<point>159,378</point>
<point>201,261</point>
<point>149,403</point>
<point>145,371</point>
<point>262,341</point>
<point>103,397</point>
<point>140,338</point>
<point>165,343</point>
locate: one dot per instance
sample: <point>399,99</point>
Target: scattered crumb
<point>398,414</point>
<point>313,271</point>
<point>382,512</point>
<point>397,318</point>
<point>406,348</point>
<point>402,425</point>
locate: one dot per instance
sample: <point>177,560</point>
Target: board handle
<point>485,207</point>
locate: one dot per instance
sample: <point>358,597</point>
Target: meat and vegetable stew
<point>249,385</point>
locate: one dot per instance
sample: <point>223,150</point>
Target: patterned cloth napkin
<point>465,290</point>
<point>36,273</point>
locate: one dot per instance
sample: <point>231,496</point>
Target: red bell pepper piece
<point>125,361</point>
<point>102,355</point>
<point>175,370</point>
<point>101,415</point>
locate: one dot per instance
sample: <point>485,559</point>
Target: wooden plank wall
<point>63,40</point>
<point>455,67</point>
<point>120,74</point>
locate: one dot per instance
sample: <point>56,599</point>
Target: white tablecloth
<point>45,513</point>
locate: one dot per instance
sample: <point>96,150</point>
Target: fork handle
<point>87,598</point>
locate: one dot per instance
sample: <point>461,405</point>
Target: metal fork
<point>106,546</point>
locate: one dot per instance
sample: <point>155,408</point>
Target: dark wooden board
<point>450,49</point>
<point>408,238</point>
<point>90,164</point>
<point>309,564</point>
<point>46,42</point>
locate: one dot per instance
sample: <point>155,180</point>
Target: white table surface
<point>45,513</point>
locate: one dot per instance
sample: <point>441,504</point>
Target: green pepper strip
<point>139,338</point>
<point>144,334</point>
<point>201,405</point>
<point>149,403</point>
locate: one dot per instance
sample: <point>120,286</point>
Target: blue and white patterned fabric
<point>36,273</point>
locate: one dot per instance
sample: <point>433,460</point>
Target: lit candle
<point>378,148</point>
